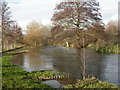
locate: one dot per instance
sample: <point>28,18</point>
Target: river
<point>63,59</point>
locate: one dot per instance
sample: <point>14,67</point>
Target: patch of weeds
<point>91,83</point>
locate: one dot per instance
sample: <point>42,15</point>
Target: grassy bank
<point>106,47</point>
<point>109,47</point>
<point>91,83</point>
<point>15,77</point>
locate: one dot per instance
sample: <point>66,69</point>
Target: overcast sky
<point>25,11</point>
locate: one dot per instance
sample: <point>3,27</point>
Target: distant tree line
<point>75,24</point>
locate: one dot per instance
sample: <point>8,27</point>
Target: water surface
<point>104,67</point>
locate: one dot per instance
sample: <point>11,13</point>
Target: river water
<point>104,67</point>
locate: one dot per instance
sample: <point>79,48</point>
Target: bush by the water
<point>106,47</point>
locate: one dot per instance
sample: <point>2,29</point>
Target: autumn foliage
<point>37,34</point>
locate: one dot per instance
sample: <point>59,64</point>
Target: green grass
<point>91,83</point>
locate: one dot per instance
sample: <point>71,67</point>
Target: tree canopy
<point>37,34</point>
<point>80,14</point>
<point>74,16</point>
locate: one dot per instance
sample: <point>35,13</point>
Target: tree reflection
<point>82,57</point>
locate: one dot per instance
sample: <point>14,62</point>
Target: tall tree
<point>5,21</point>
<point>10,30</point>
<point>79,15</point>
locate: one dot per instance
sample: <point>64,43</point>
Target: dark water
<point>104,67</point>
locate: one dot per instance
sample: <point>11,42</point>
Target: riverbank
<point>90,83</point>
<point>109,47</point>
<point>15,77</point>
<point>106,48</point>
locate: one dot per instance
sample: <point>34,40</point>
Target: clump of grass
<point>90,83</point>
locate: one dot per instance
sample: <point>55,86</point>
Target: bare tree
<point>78,15</point>
<point>8,26</point>
<point>5,21</point>
<point>16,33</point>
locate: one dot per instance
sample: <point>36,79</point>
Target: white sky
<point>25,11</point>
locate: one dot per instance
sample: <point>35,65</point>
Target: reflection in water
<point>104,67</point>
<point>35,62</point>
